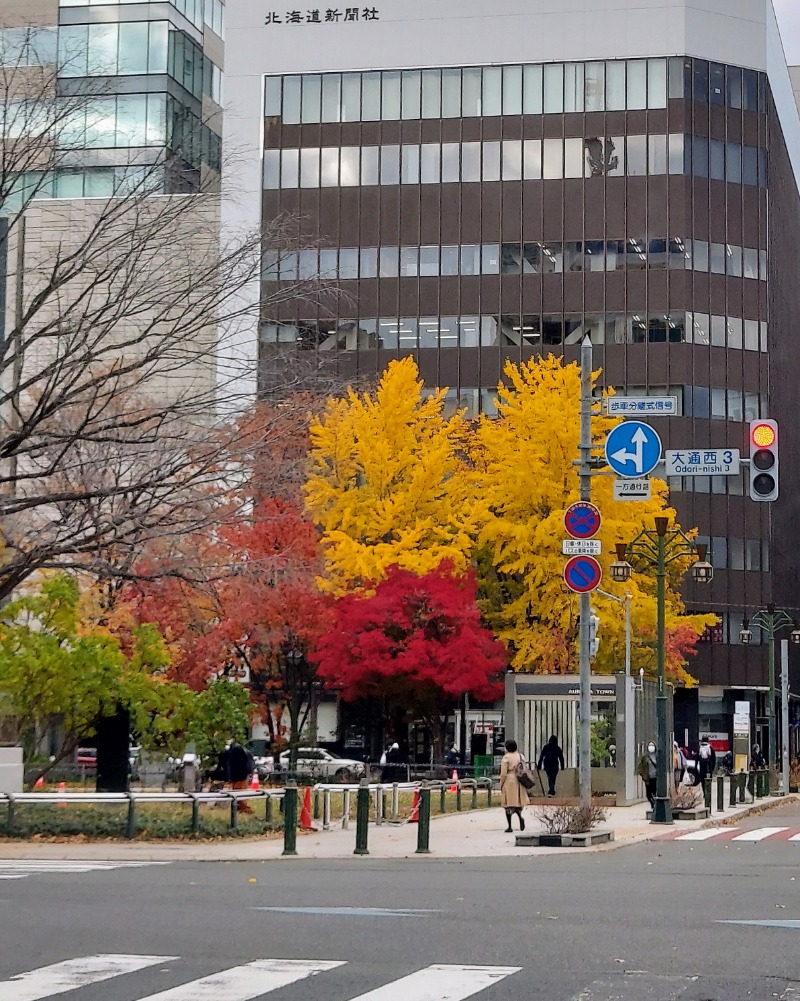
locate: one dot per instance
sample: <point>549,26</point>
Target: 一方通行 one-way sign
<point>701,461</point>
<point>633,449</point>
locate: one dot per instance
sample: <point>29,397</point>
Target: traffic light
<point>763,460</point>
<point>594,639</point>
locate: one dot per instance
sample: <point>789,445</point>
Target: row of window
<point>86,182</point>
<point>516,258</point>
<point>729,627</point>
<point>737,554</point>
<point>200,12</point>
<point>137,47</point>
<point>513,160</point>
<point>28,46</point>
<point>483,91</point>
<point>141,120</point>
<point>530,330</point>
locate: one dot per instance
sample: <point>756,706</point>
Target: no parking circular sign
<point>582,574</point>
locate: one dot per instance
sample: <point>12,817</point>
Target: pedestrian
<point>706,759</point>
<point>678,763</point>
<point>757,761</point>
<point>240,766</point>
<point>552,758</point>
<point>513,795</point>
<point>648,771</point>
<point>451,759</point>
<point>390,771</point>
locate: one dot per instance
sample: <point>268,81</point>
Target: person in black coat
<point>706,760</point>
<point>551,759</point>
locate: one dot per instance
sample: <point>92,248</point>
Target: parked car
<point>86,756</point>
<point>324,764</point>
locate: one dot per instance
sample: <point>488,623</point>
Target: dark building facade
<point>474,213</point>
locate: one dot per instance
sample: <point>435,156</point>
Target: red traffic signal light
<point>763,460</point>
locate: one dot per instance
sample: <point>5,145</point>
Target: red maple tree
<point>417,641</point>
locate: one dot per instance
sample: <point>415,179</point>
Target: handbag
<point>523,773</point>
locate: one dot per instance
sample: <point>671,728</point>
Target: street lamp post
<point>658,548</point>
<point>770,620</point>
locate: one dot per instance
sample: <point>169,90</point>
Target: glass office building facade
<point>144,82</point>
<point>473,214</point>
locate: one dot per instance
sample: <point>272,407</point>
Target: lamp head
<point>620,569</point>
<point>746,633</point>
<point>702,571</point>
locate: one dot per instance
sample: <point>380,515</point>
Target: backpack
<point>705,751</point>
<point>523,774</point>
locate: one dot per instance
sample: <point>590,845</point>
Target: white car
<point>324,764</point>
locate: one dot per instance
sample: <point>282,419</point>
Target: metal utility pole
<point>785,717</point>
<point>584,747</point>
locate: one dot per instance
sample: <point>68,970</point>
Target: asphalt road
<point>641,923</point>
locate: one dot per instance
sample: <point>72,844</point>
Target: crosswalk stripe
<point>795,837</point>
<point>72,864</point>
<point>19,876</point>
<point>759,833</point>
<point>705,835</point>
<point>73,973</point>
<point>441,983</point>
<point>245,982</point>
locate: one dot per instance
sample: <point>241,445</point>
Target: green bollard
<point>268,810</point>
<point>195,816</point>
<point>760,783</point>
<point>234,814</point>
<point>707,792</point>
<point>130,827</point>
<point>443,799</point>
<point>424,825</point>
<point>475,796</point>
<point>458,796</point>
<point>720,794</point>
<point>290,819</point>
<point>742,786</point>
<point>751,785</point>
<point>489,795</point>
<point>317,807</point>
<point>11,814</point>
<point>362,818</point>
<point>732,800</point>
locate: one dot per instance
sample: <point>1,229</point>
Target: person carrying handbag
<point>513,791</point>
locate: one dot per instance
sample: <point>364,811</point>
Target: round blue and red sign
<point>582,574</point>
<point>582,520</point>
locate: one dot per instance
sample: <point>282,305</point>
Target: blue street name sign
<point>582,574</point>
<point>633,449</point>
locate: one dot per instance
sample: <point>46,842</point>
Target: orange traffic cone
<point>39,783</point>
<point>414,818</point>
<point>254,784</point>
<point>305,813</point>
<point>454,786</point>
<point>62,787</point>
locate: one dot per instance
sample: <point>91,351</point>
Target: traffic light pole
<point>584,744</point>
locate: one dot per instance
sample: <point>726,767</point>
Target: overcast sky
<point>789,19</point>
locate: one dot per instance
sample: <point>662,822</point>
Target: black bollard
<point>362,818</point>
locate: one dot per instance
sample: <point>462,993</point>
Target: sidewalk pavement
<point>473,834</point>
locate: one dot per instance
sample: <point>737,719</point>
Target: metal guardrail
<point>131,799</point>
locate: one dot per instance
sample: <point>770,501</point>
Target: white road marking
<point>795,837</point>
<point>242,983</point>
<point>759,834</point>
<point>441,983</point>
<point>709,832</point>
<point>37,867</point>
<point>73,973</point>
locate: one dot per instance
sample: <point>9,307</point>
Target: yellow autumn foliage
<point>387,482</point>
<point>526,479</point>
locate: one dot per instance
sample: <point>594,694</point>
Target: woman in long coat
<point>513,795</point>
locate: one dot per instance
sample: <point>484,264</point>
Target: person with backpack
<point>240,766</point>
<point>513,793</point>
<point>706,760</point>
<point>552,758</point>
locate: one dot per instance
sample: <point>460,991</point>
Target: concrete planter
<point>583,840</point>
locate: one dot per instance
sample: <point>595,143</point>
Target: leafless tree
<point>122,336</point>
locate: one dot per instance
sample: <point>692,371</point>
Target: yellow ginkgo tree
<point>526,477</point>
<point>388,482</point>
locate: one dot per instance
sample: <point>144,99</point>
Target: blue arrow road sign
<point>582,573</point>
<point>633,449</point>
